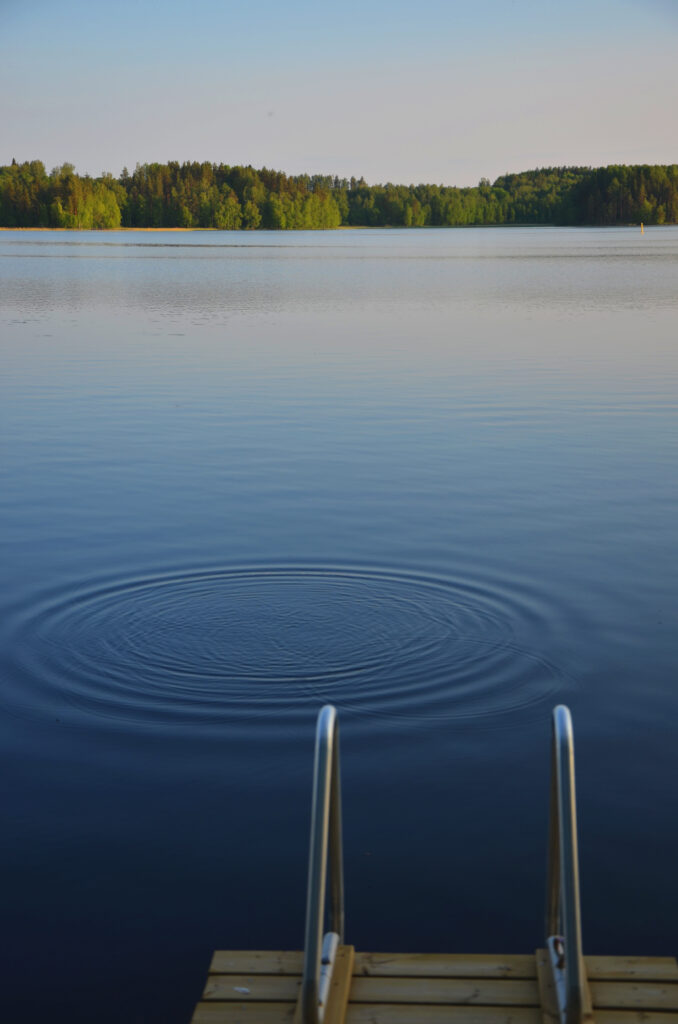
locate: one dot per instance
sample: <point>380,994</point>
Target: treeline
<point>205,195</point>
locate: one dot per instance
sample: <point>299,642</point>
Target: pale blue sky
<point>440,92</point>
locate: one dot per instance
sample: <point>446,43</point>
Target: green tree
<point>251,217</point>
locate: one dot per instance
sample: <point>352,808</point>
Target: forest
<point>207,195</point>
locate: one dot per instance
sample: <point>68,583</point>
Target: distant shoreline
<point>344,227</point>
<point>108,229</point>
<point>206,196</point>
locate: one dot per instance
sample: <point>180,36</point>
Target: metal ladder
<point>563,915</point>
<point>319,952</point>
<point>563,911</point>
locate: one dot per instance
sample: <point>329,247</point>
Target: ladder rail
<point>563,907</point>
<point>326,839</point>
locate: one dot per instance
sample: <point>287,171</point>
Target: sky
<point>438,91</point>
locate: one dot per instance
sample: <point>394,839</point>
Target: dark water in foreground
<point>428,476</point>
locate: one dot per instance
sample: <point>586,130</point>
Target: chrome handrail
<point>325,831</point>
<point>563,913</point>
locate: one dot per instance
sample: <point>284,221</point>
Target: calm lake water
<point>428,476</point>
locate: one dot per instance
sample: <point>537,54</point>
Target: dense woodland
<point>205,195</point>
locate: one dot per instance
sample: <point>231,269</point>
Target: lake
<point>428,476</point>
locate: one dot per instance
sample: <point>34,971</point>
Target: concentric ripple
<point>211,646</point>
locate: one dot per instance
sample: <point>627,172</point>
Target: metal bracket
<point>329,953</point>
<point>555,945</point>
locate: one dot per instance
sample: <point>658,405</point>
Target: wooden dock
<point>415,988</point>
<point>332,984</point>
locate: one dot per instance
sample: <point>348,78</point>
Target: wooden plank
<point>340,986</point>
<point>375,1013</point>
<point>444,965</point>
<point>256,961</point>
<point>634,995</point>
<point>634,1017</point>
<point>655,968</point>
<point>243,1013</point>
<point>246,988</point>
<point>449,991</point>
<point>298,1017</point>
